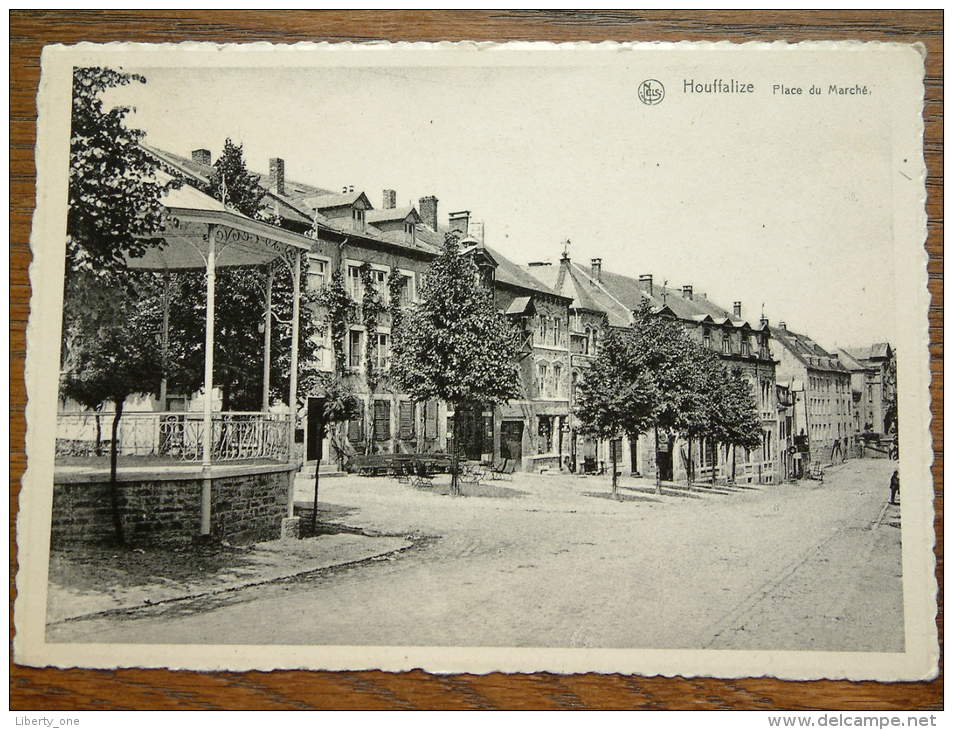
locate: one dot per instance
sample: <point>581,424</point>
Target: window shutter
<point>381,420</point>
<point>430,417</point>
<point>355,427</point>
<point>406,414</point>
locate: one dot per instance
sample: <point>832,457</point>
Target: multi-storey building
<point>821,390</point>
<point>351,236</point>
<point>871,376</point>
<point>600,296</point>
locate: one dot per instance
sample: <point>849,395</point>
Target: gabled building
<point>872,373</point>
<point>820,386</point>
<point>398,244</point>
<point>603,298</point>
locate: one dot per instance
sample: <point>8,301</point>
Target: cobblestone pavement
<point>553,561</point>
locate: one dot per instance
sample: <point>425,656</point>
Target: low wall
<point>165,506</point>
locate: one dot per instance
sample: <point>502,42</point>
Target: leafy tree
<point>232,183</point>
<point>668,354</point>
<point>114,192</point>
<point>735,420</point>
<point>455,346</point>
<point>112,354</point>
<point>618,394</point>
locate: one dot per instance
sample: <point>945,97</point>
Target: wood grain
<point>47,689</point>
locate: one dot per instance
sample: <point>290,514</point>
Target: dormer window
<point>706,337</point>
<point>726,344</point>
<point>357,214</point>
<point>745,345</point>
<point>409,228</point>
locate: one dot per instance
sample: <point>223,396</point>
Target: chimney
<point>687,291</point>
<point>276,175</point>
<point>646,280</point>
<point>390,200</point>
<point>203,157</point>
<point>428,211</point>
<point>783,325</point>
<point>460,221</point>
<point>737,309</point>
<point>596,267</point>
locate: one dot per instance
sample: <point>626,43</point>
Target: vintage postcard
<point>480,357</point>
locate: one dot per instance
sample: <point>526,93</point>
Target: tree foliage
<point>455,346</point>
<point>232,183</point>
<point>114,191</point>
<point>618,395</point>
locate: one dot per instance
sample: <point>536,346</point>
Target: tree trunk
<point>733,453</point>
<point>455,456</point>
<point>690,467</point>
<point>99,435</point>
<point>658,467</point>
<point>113,488</point>
<point>714,459</point>
<point>615,470</point>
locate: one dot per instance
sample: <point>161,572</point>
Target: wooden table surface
<point>47,689</point>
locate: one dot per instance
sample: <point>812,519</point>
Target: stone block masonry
<point>248,505</point>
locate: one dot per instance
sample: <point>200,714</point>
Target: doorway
<point>511,441</point>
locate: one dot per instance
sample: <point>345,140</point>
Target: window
<point>405,291</point>
<point>406,420</point>
<point>358,216</point>
<point>354,286</point>
<point>409,228</point>
<point>379,280</point>
<point>557,331</point>
<point>354,351</point>
<point>706,337</point>
<point>557,378</point>
<point>585,344</point>
<point>543,374</point>
<point>595,341</point>
<point>383,351</point>
<point>355,427</point>
<point>745,345</point>
<point>317,273</point>
<point>381,420</point>
<point>726,343</point>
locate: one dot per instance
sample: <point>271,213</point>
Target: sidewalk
<point>93,580</point>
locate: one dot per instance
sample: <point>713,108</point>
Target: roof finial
<point>566,245</point>
<point>665,292</point>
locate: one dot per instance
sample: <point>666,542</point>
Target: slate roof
<point>583,291</point>
<point>512,274</point>
<point>391,214</point>
<point>807,352</point>
<point>850,362</point>
<point>878,350</point>
<point>331,200</point>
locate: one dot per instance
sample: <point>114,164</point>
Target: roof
<point>584,292</point>
<point>877,351</point>
<point>202,172</point>
<point>510,273</point>
<point>392,214</point>
<point>187,196</point>
<point>850,362</point>
<point>808,352</point>
<point>332,200</point>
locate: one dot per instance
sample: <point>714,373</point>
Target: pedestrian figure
<point>894,486</point>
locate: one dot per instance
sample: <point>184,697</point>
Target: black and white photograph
<point>479,357</point>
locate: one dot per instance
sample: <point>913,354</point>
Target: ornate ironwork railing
<point>175,435</point>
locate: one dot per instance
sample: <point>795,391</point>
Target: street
<point>553,561</point>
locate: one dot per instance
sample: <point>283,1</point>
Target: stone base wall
<point>245,508</point>
<point>249,508</point>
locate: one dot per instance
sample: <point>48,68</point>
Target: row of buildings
<point>810,400</point>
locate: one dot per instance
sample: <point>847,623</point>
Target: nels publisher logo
<point>651,92</point>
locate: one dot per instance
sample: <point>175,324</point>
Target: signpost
<point>314,448</point>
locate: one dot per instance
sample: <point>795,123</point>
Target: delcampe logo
<point>651,92</point>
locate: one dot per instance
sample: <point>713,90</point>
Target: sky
<point>780,204</point>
